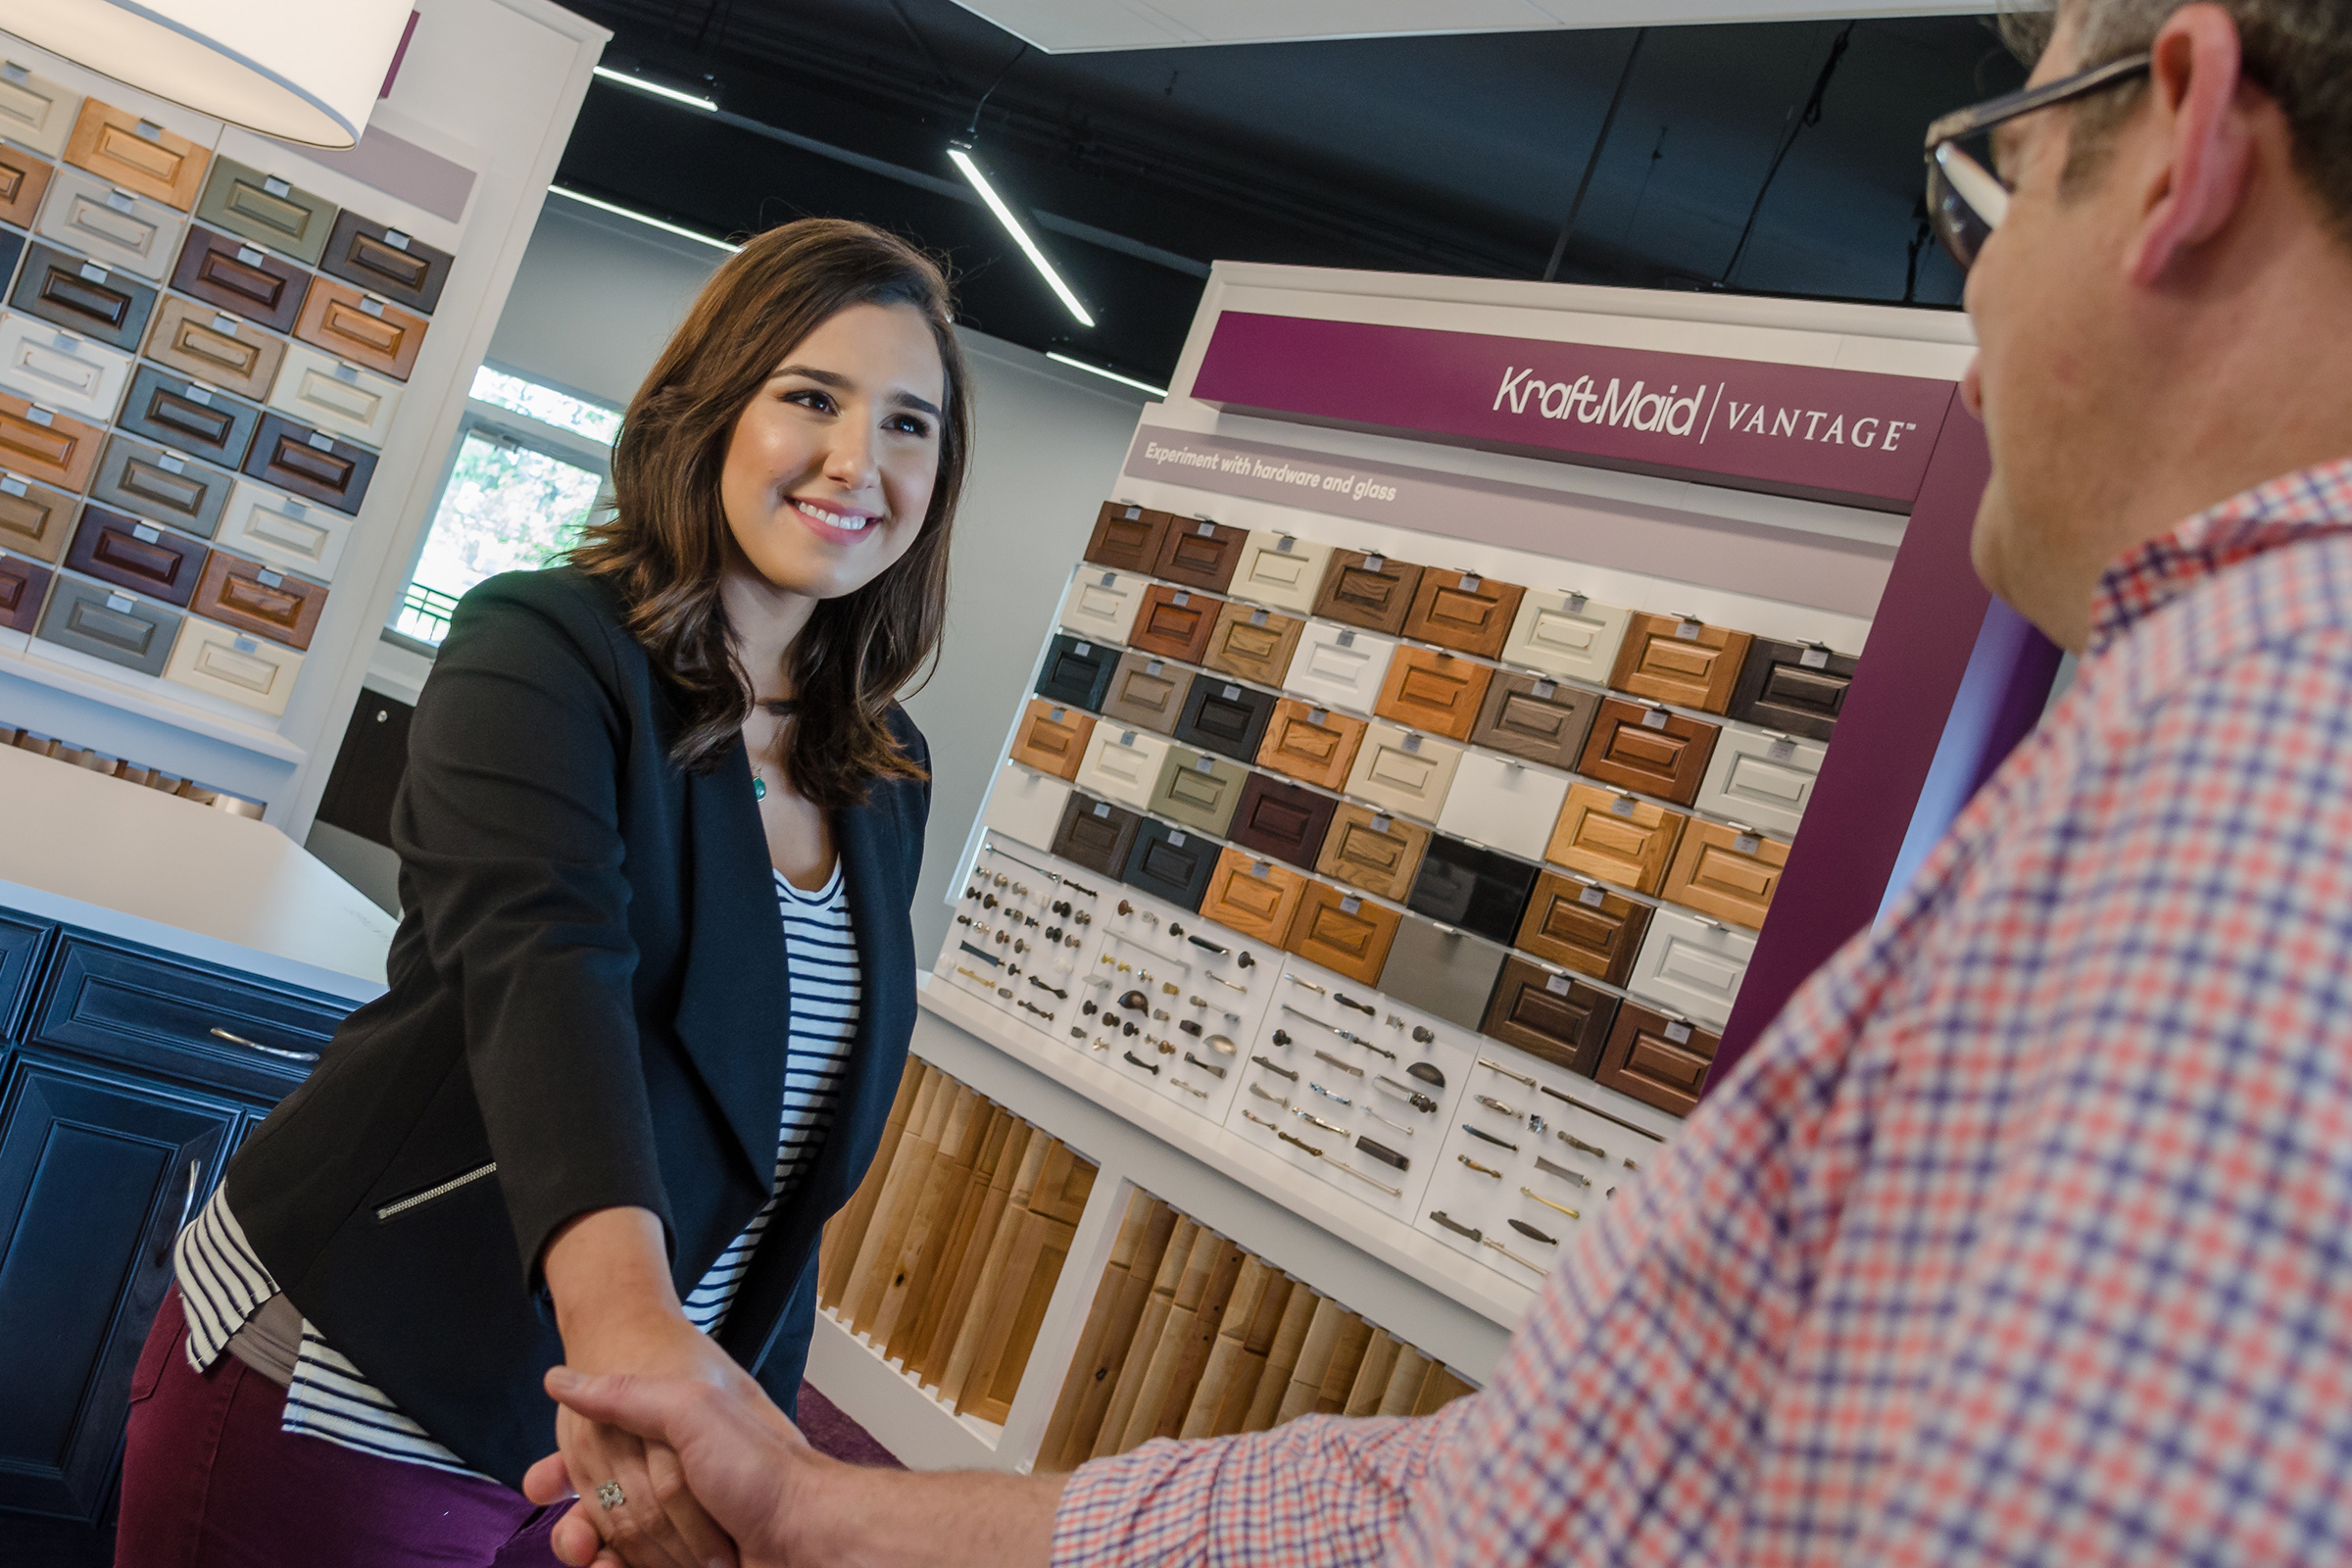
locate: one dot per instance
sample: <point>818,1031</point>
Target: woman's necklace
<point>782,710</point>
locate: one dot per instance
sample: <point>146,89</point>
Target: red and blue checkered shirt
<point>2025,1233</point>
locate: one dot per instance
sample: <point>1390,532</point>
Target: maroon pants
<point>209,1481</point>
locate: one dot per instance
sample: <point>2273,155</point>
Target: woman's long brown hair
<point>664,544</point>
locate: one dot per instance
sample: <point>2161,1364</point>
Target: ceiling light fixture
<point>1109,375</point>
<point>623,78</point>
<point>636,216</point>
<point>960,155</point>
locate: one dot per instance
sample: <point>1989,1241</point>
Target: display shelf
<point>67,674</point>
<point>924,1434</point>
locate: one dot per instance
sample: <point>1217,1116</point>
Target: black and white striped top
<point>223,1282</point>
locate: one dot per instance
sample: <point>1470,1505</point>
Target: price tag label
<point>1127,739</point>
<point>1591,898</point>
<point>1747,843</point>
<point>1376,563</point>
<point>1556,984</point>
<point>1258,617</point>
<point>148,130</point>
<point>145,534</point>
<point>119,604</point>
<point>1206,531</point>
<point>14,73</point>
<point>1182,599</point>
<point>1350,905</point>
<point>1102,807</point>
<point>322,442</point>
<point>1134,512</point>
<point>1471,582</point>
<point>13,486</point>
<point>1382,823</point>
<point>1318,717</point>
<point>1653,719</point>
<point>1058,714</point>
<point>245,645</point>
<point>1814,658</point>
<point>1176,841</point>
<point>269,579</point>
<point>225,325</point>
<point>1781,749</point>
<point>199,394</point>
<point>250,255</point>
<point>370,305</point>
<point>1688,630</point>
<point>276,187</point>
<point>396,239</point>
<point>1110,579</point>
<point>1576,602</point>
<point>172,462</point>
<point>122,201</point>
<point>1282,545</point>
<point>1085,649</point>
<point>40,416</point>
<point>1412,743</point>
<point>1154,667</point>
<point>1347,639</point>
<point>1546,689</point>
<point>1262,869</point>
<point>1678,1032</point>
<point>1621,806</point>
<point>93,271</point>
<point>293,509</point>
<point>1205,764</point>
<point>1232,694</point>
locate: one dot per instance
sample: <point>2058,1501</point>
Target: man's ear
<point>2194,80</point>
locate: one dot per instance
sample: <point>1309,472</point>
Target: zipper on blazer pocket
<point>440,1189</point>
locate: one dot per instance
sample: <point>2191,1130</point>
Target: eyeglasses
<point>1966,199</point>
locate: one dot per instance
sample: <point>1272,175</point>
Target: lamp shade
<point>298,69</point>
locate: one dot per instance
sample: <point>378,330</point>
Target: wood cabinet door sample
<point>213,347</point>
<point>361,327</point>
<point>284,532</point>
<point>43,445</point>
<point>1253,642</point>
<point>1225,717</point>
<point>109,624</point>
<point>1101,605</point>
<point>35,110</point>
<point>138,155</point>
<point>1051,738</point>
<point>1174,622</point>
<point>151,482</point>
<point>1536,718</point>
<point>1372,849</point>
<point>1340,667</point>
<point>1615,838</point>
<point>1128,538</point>
<point>131,554</point>
<point>1504,804</point>
<point>22,586</point>
<point>1310,743</point>
<point>319,390</point>
<point>1026,806</point>
<point>1253,897</point>
<point>1763,780</point>
<point>1693,965</point>
<point>1345,933</point>
<point>1659,1060</point>
<point>1584,927</point>
<point>260,599</point>
<point>1280,819</point>
<point>1432,690</point>
<point>1403,771</point>
<point>1199,554</point>
<point>189,416</point>
<point>240,277</point>
<point>1449,973</point>
<point>24,180</point>
<point>1076,672</point>
<point>269,211</point>
<point>1170,862</point>
<point>1374,591</point>
<point>311,463</point>
<point>386,260</point>
<point>1463,611</point>
<point>230,664</point>
<point>1552,1017</point>
<point>1727,873</point>
<point>1199,790</point>
<point>34,519</point>
<point>1122,764</point>
<point>1280,571</point>
<point>61,370</point>
<point>1478,890</point>
<point>1561,633</point>
<point>1678,660</point>
<point>111,226</point>
<point>105,303</point>
<point>1147,692</point>
<point>1637,747</point>
<point>1792,687</point>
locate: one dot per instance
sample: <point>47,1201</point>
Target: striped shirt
<point>222,1282</point>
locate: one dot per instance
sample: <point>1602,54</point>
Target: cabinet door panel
<point>283,532</point>
<point>1372,849</point>
<point>361,327</point>
<point>107,304</point>
<point>340,399</point>
<point>1122,764</point>
<point>109,625</point>
<point>1340,667</point>
<point>1199,790</point>
<point>1435,691</point>
<point>311,464</point>
<point>1199,554</point>
<point>1464,612</point>
<point>1692,966</point>
<point>1170,862</point>
<point>201,342</point>
<point>1615,838</point>
<point>1253,897</point>
<point>1346,934</point>
<point>1076,672</point>
<point>143,1009</point>
<point>35,110</point>
<point>1534,717</point>
<point>1051,738</point>
<point>1504,804</point>
<point>138,155</point>
<point>1025,805</point>
<point>1280,571</point>
<point>24,946</point>
<point>1146,691</point>
<point>1649,749</point>
<point>260,599</point>
<point>241,278</point>
<point>1094,834</point>
<point>1280,819</point>
<point>1659,1060</point>
<point>23,179</point>
<point>1252,643</point>
<point>34,519</point>
<point>1726,873</point>
<point>1552,1016</point>
<point>1101,605</point>
<point>384,260</point>
<point>228,663</point>
<point>1584,927</point>
<point>149,481</point>
<point>1375,592</point>
<point>189,416</point>
<point>1684,661</point>
<point>1309,743</point>
<point>112,227</point>
<point>1225,717</point>
<point>1175,622</point>
<point>1404,772</point>
<point>60,369</point>
<point>1793,688</point>
<point>1761,780</point>
<point>1449,973</point>
<point>266,210</point>
<point>1566,634</point>
<point>1128,538</point>
<point>24,586</point>
<point>130,554</point>
<point>42,445</point>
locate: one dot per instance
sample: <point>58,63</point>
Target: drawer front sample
<point>310,463</point>
<point>1174,622</point>
<point>38,112</point>
<point>110,625</point>
<point>1552,1016</point>
<point>1025,805</point>
<point>230,664</point>
<point>1692,966</point>
<point>23,587</point>
<point>1255,898</point>
<point>1310,743</point>
<point>384,260</point>
<point>1100,605</point>
<point>1128,538</point>
<point>1404,772</point>
<point>61,370</point>
<point>23,180</point>
<point>1076,672</point>
<point>1374,591</point>
<point>1346,934</point>
<point>1761,780</point>
<point>1463,612</point>
<point>1649,749</point>
<point>283,531</point>
<point>1094,834</point>
<point>260,599</point>
<point>1615,838</point>
<point>1659,1060</point>
<point>1340,667</point>
<point>1280,819</point>
<point>361,327</point>
<point>1373,851</point>
<point>1435,691</point>
<point>215,348</point>
<point>1566,634</point>
<point>1147,692</point>
<point>1793,688</point>
<point>149,1010</point>
<point>1224,716</point>
<point>1051,738</point>
<point>1580,927</point>
<point>1122,764</point>
<point>189,416</point>
<point>116,145</point>
<point>240,279</point>
<point>1199,554</point>
<point>1477,890</point>
<point>1729,874</point>
<point>1253,642</point>
<point>265,210</point>
<point>42,445</point>
<point>131,554</point>
<point>104,303</point>
<point>1503,805</point>
<point>112,227</point>
<point>1170,862</point>
<point>1534,717</point>
<point>1280,571</point>
<point>148,481</point>
<point>1685,662</point>
<point>1449,973</point>
<point>35,520</point>
<point>1199,790</point>
<point>343,400</point>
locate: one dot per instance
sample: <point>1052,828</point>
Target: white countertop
<point>133,862</point>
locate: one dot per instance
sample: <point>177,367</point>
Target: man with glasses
<point>2025,1236</point>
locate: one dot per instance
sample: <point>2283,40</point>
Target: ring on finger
<point>609,1496</point>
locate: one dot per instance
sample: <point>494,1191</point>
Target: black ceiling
<point>1451,155</point>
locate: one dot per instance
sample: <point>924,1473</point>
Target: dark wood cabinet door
<point>1225,717</point>
<point>1346,933</point>
<point>1128,538</point>
<point>188,416</point>
<point>23,180</point>
<point>1375,592</point>
<point>200,341</point>
<point>1448,973</point>
<point>35,520</point>
<point>1372,849</point>
<point>384,260</point>
<point>1679,661</point>
<point>1540,720</point>
<point>1727,873</point>
<point>1615,838</point>
<point>131,554</point>
<point>260,599</point>
<point>1251,895</point>
<point>1659,1060</point>
<point>1553,1016</point>
<point>43,444</point>
<point>1310,743</point>
<point>1464,612</point>
<point>1094,834</point>
<point>1282,819</point>
<point>149,481</point>
<point>361,327</point>
<point>1461,884</point>
<point>1199,554</point>
<point>1583,927</point>
<point>1435,691</point>
<point>138,155</point>
<point>311,463</point>
<point>241,278</point>
<point>1175,622</point>
<point>24,586</point>
<point>1147,692</point>
<point>1793,688</point>
<point>259,207</point>
<point>1170,862</point>
<point>1649,749</point>
<point>1254,643</point>
<point>1051,738</point>
<point>1076,672</point>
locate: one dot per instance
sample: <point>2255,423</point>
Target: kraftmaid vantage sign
<point>1797,429</point>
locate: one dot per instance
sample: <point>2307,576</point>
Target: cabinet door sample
<point>1094,834</point>
<point>1253,642</point>
<point>110,625</point>
<point>1552,1017</point>
<point>1342,932</point>
<point>1675,661</point>
<point>1147,692</point>
<point>1225,717</point>
<point>1280,819</point>
<point>241,278</point>
<point>38,112</point>
<point>199,341</point>
<point>1793,688</point>
<point>1199,554</point>
<point>266,210</point>
<point>150,481</point>
<point>1051,738</point>
<point>35,520</point>
<point>1372,849</point>
<point>260,599</point>
<point>1584,927</point>
<point>1199,790</point>
<point>189,416</point>
<point>1122,764</point>
<point>1504,804</point>
<point>130,554</point>
<point>1659,1060</point>
<point>24,180</point>
<point>112,227</point>
<point>24,585</point>
<point>1174,622</point>
<point>1692,966</point>
<point>311,463</point>
<point>1463,612</point>
<point>1403,771</point>
<point>1280,571</point>
<point>1101,605</point>
<point>1026,806</point>
<point>1649,749</point>
<point>1536,718</point>
<point>1374,591</point>
<point>1255,898</point>
<point>1449,973</point>
<point>1127,538</point>
<point>343,400</point>
<point>138,155</point>
<point>104,303</point>
<point>1340,667</point>
<point>385,260</point>
<point>1076,672</point>
<point>1431,689</point>
<point>1477,889</point>
<point>1765,780</point>
<point>60,369</point>
<point>1170,862</point>
<point>1615,838</point>
<point>361,327</point>
<point>1310,743</point>
<point>230,664</point>
<point>1727,873</point>
<point>42,445</point>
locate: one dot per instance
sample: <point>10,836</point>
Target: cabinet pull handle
<point>266,1050</point>
<point>187,1206</point>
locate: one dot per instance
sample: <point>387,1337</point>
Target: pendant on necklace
<point>758,788</point>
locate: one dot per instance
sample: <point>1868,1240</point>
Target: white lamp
<point>297,70</point>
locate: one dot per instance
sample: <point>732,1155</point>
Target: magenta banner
<point>1849,436</point>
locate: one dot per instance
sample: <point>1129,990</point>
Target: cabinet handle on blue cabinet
<point>266,1050</point>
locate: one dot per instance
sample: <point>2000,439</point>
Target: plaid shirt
<point>2024,1236</point>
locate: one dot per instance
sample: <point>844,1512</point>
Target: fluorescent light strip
<point>635,216</point>
<point>1108,376</point>
<point>623,78</point>
<point>1012,225</point>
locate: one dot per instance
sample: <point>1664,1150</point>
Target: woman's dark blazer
<point>588,988</point>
